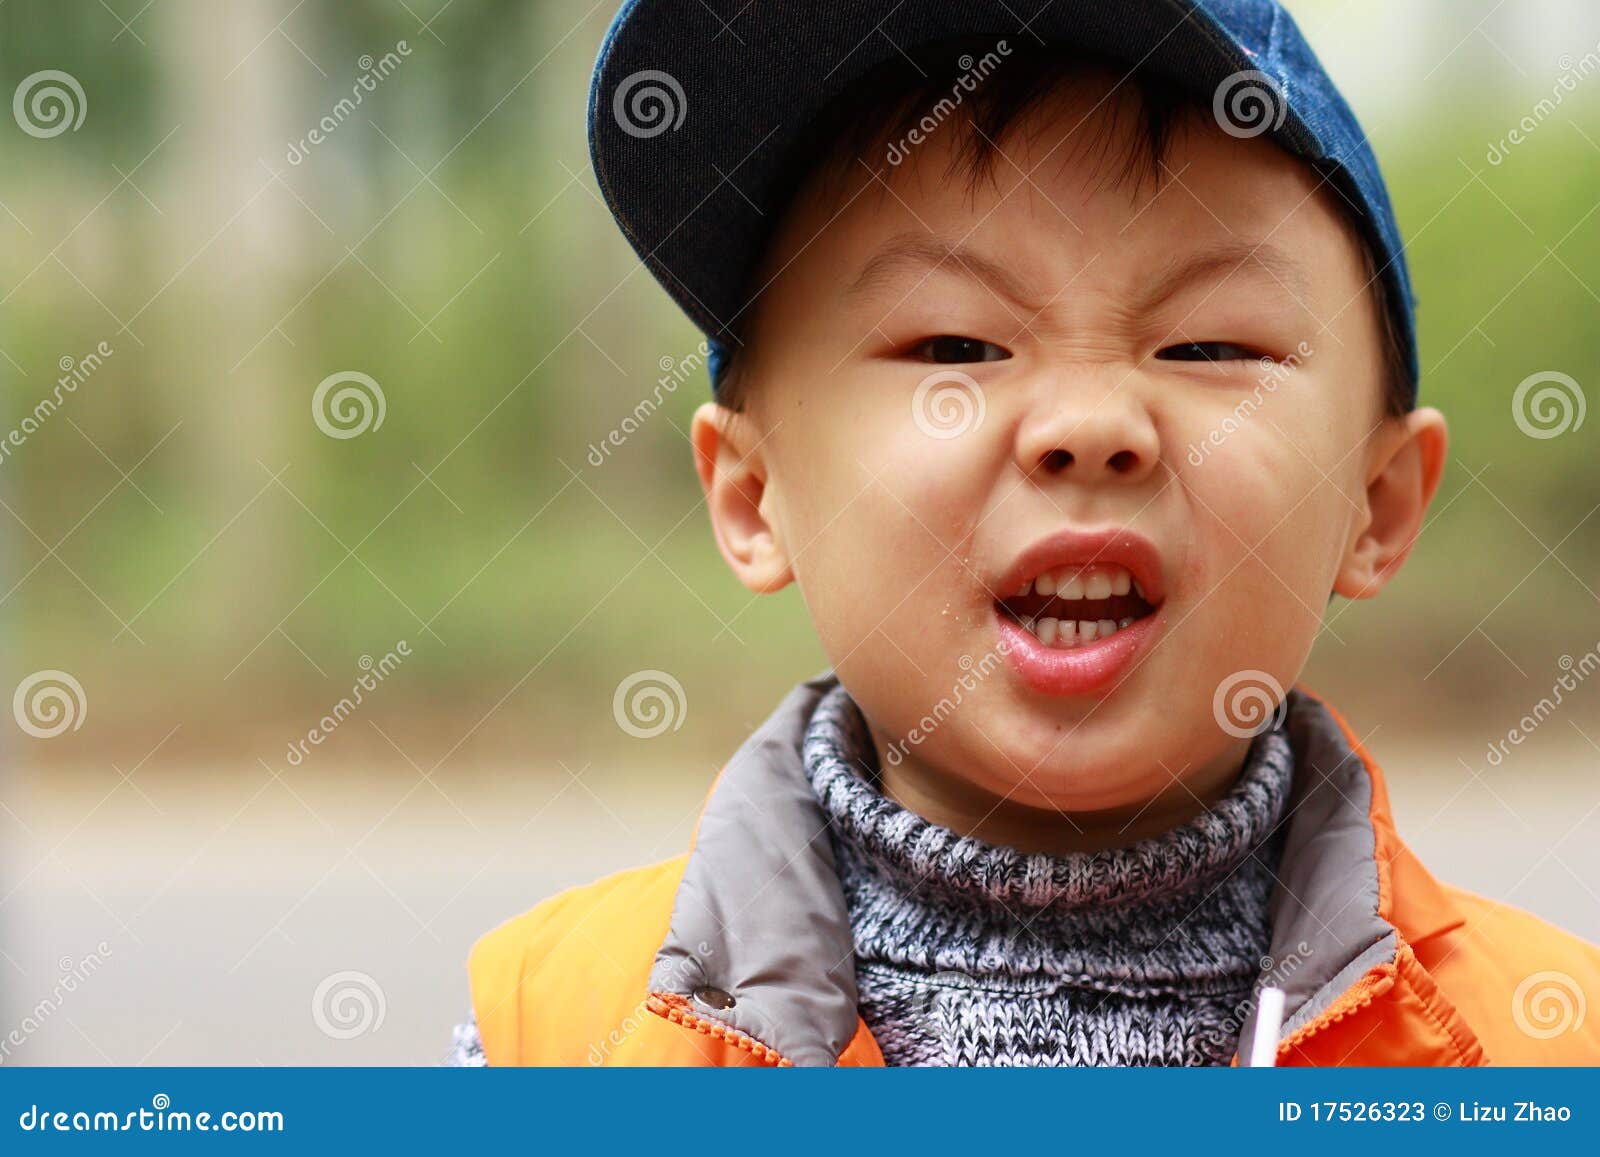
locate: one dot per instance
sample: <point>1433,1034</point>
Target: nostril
<point>1123,461</point>
<point>1056,461</point>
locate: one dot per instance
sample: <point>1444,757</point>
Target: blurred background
<point>202,561</point>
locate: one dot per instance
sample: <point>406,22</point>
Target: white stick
<point>1269,1023</point>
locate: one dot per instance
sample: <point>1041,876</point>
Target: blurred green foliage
<point>448,240</point>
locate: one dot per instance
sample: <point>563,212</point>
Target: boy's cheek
<point>880,553</point>
<point>898,474</point>
<point>1269,536</point>
<point>1250,471</point>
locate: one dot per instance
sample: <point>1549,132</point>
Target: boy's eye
<point>1207,351</point>
<point>949,349</point>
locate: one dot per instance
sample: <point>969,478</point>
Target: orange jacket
<point>738,952</point>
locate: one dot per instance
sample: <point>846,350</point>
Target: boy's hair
<point>885,106</point>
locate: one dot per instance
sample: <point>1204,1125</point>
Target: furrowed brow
<point>1215,263</point>
<point>921,253</point>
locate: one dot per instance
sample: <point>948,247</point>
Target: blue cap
<point>696,105</point>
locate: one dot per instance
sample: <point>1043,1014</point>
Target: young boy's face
<point>943,380</point>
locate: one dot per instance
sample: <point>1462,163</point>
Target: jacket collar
<point>760,918</point>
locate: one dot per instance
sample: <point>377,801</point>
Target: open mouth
<point>1071,606</point>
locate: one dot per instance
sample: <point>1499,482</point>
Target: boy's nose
<point>1109,438</point>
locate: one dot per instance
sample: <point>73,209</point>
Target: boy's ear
<point>728,456</point>
<point>1404,467</point>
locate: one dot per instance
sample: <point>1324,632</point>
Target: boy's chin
<point>1087,790</point>
<point>1085,772</point>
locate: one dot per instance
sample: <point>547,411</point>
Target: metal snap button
<point>713,997</point>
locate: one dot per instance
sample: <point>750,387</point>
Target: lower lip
<point>1086,669</point>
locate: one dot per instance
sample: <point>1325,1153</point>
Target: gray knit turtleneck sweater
<point>969,953</point>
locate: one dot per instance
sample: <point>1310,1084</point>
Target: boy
<point>1069,370</point>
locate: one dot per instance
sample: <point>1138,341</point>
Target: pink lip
<point>1080,548</point>
<point>1090,667</point>
<point>1082,670</point>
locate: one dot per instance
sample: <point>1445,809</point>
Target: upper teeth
<point>1100,581</point>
